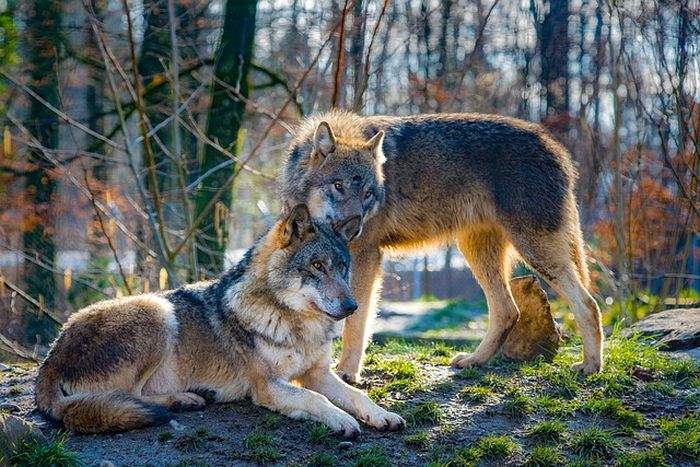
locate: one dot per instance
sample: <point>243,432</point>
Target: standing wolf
<point>122,364</point>
<point>499,187</point>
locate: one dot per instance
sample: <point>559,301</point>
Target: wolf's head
<point>342,179</point>
<point>309,265</point>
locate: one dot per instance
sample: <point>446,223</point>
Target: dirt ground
<point>493,421</point>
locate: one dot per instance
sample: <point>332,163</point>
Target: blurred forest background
<point>141,139</point>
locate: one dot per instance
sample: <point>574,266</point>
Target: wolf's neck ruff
<point>248,307</point>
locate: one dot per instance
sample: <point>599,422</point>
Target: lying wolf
<point>498,187</point>
<point>123,364</point>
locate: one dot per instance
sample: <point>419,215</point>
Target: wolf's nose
<point>349,306</point>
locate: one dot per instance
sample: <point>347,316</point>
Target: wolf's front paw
<point>465,360</point>
<point>383,420</point>
<point>343,425</point>
<point>587,367</point>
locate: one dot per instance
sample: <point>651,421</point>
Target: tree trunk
<point>155,51</point>
<point>42,39</point>
<point>233,57</point>
<point>553,36</point>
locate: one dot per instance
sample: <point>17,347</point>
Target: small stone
<point>176,426</point>
<point>642,374</point>
<point>4,367</point>
<point>106,463</point>
<point>535,333</point>
<point>9,407</point>
<point>343,445</point>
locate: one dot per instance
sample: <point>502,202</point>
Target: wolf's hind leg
<point>365,281</point>
<point>559,258</point>
<point>486,249</point>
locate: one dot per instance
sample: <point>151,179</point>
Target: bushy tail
<point>112,411</point>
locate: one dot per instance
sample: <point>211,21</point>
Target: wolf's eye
<point>317,265</point>
<point>338,186</point>
<point>368,194</point>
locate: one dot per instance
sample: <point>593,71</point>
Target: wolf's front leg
<point>301,403</point>
<point>365,282</point>
<point>322,380</point>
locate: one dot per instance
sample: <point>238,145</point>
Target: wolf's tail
<point>105,412</point>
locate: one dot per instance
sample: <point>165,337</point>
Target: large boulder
<point>677,329</point>
<point>535,332</point>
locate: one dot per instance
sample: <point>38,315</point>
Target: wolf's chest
<point>291,362</point>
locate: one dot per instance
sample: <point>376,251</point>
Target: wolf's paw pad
<point>386,421</point>
<point>464,360</point>
<point>186,401</point>
<point>587,368</point>
<point>344,426</point>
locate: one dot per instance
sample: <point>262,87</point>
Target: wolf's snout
<point>349,306</point>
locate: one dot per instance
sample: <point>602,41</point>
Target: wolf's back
<point>112,411</point>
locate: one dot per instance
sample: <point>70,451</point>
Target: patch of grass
<point>373,456</point>
<point>496,447</point>
<point>470,374</point>
<point>592,443</point>
<point>544,456</point>
<point>556,406</point>
<point>402,376</point>
<point>476,394</point>
<point>563,383</point>
<point>271,421</point>
<point>463,457</point>
<point>647,458</point>
<point>193,441</point>
<point>692,400</point>
<point>495,382</point>
<point>681,436</point>
<point>659,388</point>
<point>612,382</point>
<point>624,355</point>
<point>319,433</point>
<point>550,431</point>
<point>165,436</point>
<point>517,403</point>
<point>451,316</point>
<point>261,448</point>
<point>614,409</point>
<point>418,439</point>
<point>424,413</point>
<point>321,459</point>
<point>37,453</point>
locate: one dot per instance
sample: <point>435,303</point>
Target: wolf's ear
<point>349,229</point>
<point>375,144</point>
<point>298,225</point>
<point>324,141</point>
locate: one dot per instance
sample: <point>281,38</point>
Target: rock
<point>535,333</point>
<point>9,407</point>
<point>677,329</point>
<point>176,426</point>
<point>4,367</point>
<point>106,463</point>
<point>13,430</point>
<point>343,445</point>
